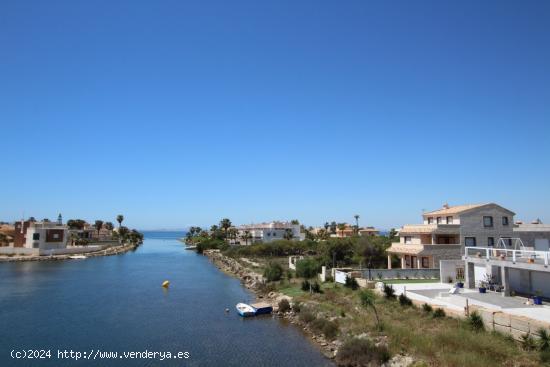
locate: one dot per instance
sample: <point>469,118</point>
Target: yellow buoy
<point>165,284</point>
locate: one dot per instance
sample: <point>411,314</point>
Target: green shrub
<point>389,292</point>
<point>545,357</point>
<point>315,287</point>
<point>306,285</point>
<point>307,317</point>
<point>328,328</point>
<point>544,340</point>
<point>284,305</point>
<point>296,306</point>
<point>307,268</point>
<point>273,272</point>
<point>439,312</point>
<point>527,342</point>
<point>476,321</point>
<point>427,308</point>
<point>405,301</point>
<point>361,352</point>
<point>351,283</point>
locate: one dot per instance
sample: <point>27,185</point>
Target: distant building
<point>40,235</point>
<point>351,231</point>
<point>268,232</point>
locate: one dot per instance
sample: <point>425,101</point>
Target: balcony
<point>540,258</point>
<point>415,249</point>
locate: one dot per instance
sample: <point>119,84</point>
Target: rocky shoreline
<point>106,252</point>
<point>254,282</point>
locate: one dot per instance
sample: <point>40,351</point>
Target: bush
<point>404,300</point>
<point>361,352</point>
<point>306,285</point>
<point>307,317</point>
<point>389,292</point>
<point>273,272</point>
<point>545,357</point>
<point>351,283</point>
<point>296,306</point>
<point>544,340</point>
<point>527,342</point>
<point>328,328</point>
<point>307,268</point>
<point>439,312</point>
<point>427,308</point>
<point>315,287</point>
<point>284,305</point>
<point>476,321</point>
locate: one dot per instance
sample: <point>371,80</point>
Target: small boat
<point>245,310</point>
<point>262,308</point>
<point>77,257</point>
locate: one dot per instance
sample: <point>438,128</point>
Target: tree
<point>98,226</point>
<point>76,223</point>
<point>273,272</point>
<point>225,223</point>
<point>333,227</point>
<point>368,299</point>
<point>288,234</point>
<point>326,226</point>
<point>294,222</point>
<point>120,219</point>
<point>109,226</point>
<point>233,232</point>
<point>307,268</point>
<point>322,234</point>
<point>246,236</point>
<point>393,234</point>
<point>122,234</point>
<point>341,228</point>
<point>356,216</point>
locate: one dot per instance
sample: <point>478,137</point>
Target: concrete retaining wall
<point>516,326</point>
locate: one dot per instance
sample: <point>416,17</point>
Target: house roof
<point>458,209</point>
<point>417,228</point>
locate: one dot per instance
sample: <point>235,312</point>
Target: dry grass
<point>438,342</point>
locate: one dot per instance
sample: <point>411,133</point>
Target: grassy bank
<point>432,340</point>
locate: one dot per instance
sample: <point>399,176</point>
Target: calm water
<point>116,303</point>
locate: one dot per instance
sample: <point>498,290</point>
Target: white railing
<point>493,253</point>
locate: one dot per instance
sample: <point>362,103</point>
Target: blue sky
<point>180,113</point>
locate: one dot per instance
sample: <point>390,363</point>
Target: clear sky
<point>179,113</point>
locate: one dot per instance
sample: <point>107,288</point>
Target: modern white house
<point>445,232</point>
<point>269,232</point>
<point>516,265</point>
<point>41,235</point>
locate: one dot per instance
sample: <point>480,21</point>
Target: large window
<point>469,241</point>
<point>449,220</point>
<point>504,221</point>
<point>425,262</point>
<point>430,220</point>
<point>438,220</point>
<point>487,221</point>
<point>36,236</point>
<point>490,241</point>
<point>408,239</point>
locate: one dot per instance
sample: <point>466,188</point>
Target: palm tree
<point>120,219</point>
<point>367,300</point>
<point>245,236</point>
<point>98,226</point>
<point>225,223</point>
<point>122,234</point>
<point>326,226</point>
<point>233,233</point>
<point>356,216</point>
<point>109,226</point>
<point>288,234</point>
<point>342,227</point>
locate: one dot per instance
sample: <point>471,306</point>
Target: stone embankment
<point>254,282</point>
<point>106,252</point>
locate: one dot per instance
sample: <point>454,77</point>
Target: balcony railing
<point>492,253</point>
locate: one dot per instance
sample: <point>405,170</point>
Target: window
<point>460,273</point>
<point>487,221</point>
<point>470,241</point>
<point>408,239</point>
<point>408,261</point>
<point>504,221</point>
<point>425,262</point>
<point>36,245</point>
<point>449,220</point>
<point>430,220</point>
<point>507,241</point>
<point>36,236</point>
<point>490,241</point>
<point>438,220</point>
<point>56,236</point>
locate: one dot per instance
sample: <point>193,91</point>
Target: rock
<point>399,360</point>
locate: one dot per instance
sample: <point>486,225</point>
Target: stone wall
<point>471,225</point>
<point>516,326</point>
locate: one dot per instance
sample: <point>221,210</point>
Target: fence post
<point>514,256</point>
<point>487,253</point>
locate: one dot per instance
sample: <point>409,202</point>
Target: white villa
<point>268,232</point>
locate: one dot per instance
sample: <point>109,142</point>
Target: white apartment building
<point>268,232</point>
